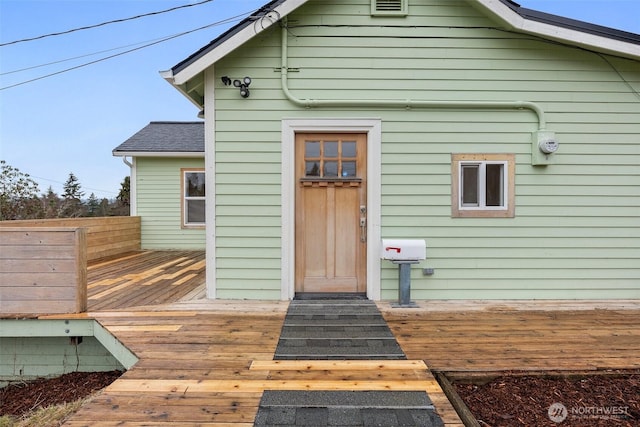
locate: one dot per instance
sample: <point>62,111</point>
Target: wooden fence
<point>43,270</point>
<point>43,263</point>
<point>106,236</point>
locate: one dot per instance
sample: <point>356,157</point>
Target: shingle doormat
<point>340,329</point>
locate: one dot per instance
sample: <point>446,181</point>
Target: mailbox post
<point>404,253</point>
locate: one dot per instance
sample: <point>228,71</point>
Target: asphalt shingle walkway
<point>336,330</point>
<point>339,329</point>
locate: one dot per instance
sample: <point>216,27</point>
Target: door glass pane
<point>348,149</point>
<point>330,169</point>
<point>331,149</point>
<point>312,168</point>
<point>494,185</point>
<point>194,184</point>
<point>312,149</point>
<point>348,169</point>
<point>470,185</point>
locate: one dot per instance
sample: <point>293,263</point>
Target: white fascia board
<point>168,76</point>
<point>512,20</point>
<point>157,154</point>
<point>227,47</point>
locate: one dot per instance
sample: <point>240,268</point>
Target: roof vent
<point>389,7</point>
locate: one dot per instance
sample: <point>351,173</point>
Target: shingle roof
<point>227,35</point>
<point>165,137</point>
<point>572,24</point>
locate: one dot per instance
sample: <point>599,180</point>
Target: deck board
<point>507,339</point>
<point>206,363</point>
<point>144,278</point>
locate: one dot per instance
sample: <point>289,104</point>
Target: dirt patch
<point>537,400</point>
<point>18,399</point>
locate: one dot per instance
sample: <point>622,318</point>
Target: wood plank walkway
<point>209,367</point>
<point>206,363</point>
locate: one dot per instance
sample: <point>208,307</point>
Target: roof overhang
<point>231,40</point>
<point>560,29</point>
<point>157,154</point>
<point>188,78</point>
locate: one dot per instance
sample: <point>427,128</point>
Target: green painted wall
<point>34,348</point>
<point>36,357</point>
<point>159,202</point>
<point>576,232</point>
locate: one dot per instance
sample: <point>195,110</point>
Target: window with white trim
<point>483,185</point>
<point>193,198</point>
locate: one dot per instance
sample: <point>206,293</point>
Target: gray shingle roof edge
<point>165,137</point>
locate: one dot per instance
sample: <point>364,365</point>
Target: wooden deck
<point>207,363</point>
<point>145,278</point>
<point>542,336</point>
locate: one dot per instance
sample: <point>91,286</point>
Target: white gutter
<point>125,154</point>
<point>405,103</point>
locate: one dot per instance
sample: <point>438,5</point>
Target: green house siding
<point>576,230</point>
<point>158,184</point>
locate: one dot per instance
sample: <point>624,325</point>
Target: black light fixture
<point>243,85</point>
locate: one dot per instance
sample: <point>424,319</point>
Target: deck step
<point>336,329</point>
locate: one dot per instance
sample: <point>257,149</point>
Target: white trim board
<point>373,129</point>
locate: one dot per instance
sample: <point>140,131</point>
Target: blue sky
<point>72,121</point>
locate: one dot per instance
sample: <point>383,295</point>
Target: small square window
<point>483,185</point>
<point>193,198</point>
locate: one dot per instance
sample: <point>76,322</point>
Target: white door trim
<point>373,129</point>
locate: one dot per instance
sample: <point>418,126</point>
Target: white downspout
<point>408,103</point>
<point>133,202</point>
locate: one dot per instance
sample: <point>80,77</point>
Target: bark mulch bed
<point>21,398</point>
<point>509,400</point>
<point>520,399</point>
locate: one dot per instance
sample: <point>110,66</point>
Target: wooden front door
<point>331,212</point>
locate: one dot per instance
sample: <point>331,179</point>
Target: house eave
<point>506,13</point>
<point>561,30</point>
<point>182,154</point>
<point>194,97</point>
<point>225,44</point>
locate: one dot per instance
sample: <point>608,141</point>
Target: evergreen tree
<point>50,203</point>
<point>72,206</point>
<point>93,205</point>
<point>105,208</point>
<point>123,197</point>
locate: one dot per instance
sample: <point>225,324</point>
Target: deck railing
<point>106,236</point>
<point>43,263</point>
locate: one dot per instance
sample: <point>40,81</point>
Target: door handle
<point>363,229</point>
<point>363,223</point>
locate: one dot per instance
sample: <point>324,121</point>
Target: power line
<point>62,183</point>
<point>76,57</point>
<point>103,24</point>
<point>125,52</point>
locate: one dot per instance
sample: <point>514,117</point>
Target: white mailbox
<point>403,249</point>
